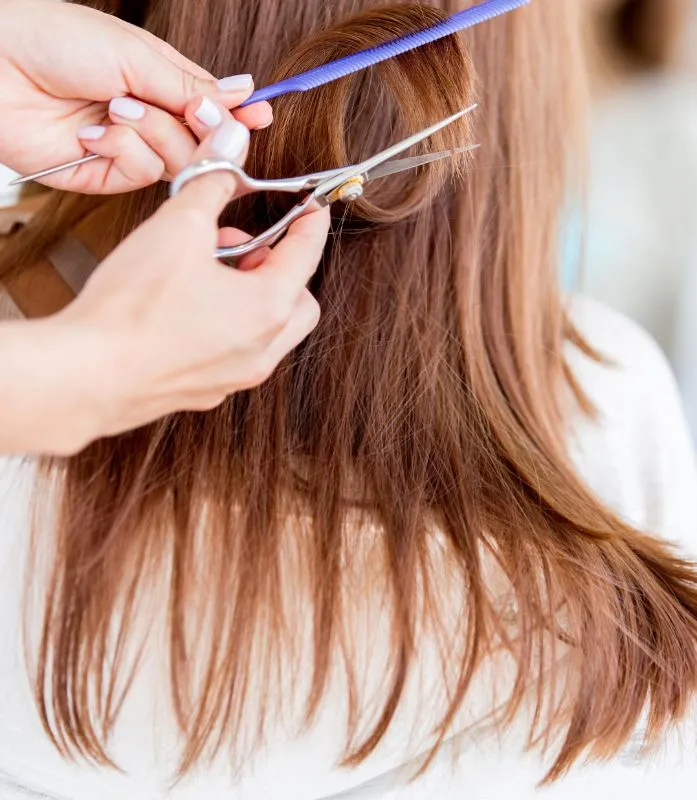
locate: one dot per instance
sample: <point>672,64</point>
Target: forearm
<point>44,405</point>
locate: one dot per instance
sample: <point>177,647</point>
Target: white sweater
<point>636,456</point>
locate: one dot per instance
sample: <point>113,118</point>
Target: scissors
<point>345,183</point>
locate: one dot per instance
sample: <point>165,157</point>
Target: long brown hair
<point>405,470</point>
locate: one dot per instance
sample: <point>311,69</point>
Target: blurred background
<point>631,240</point>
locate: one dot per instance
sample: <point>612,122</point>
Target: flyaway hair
<point>403,478</point>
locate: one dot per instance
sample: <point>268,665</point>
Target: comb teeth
<point>374,55</point>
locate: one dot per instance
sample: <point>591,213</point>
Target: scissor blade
<point>395,167</point>
<point>366,166</point>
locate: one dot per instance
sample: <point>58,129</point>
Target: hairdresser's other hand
<point>163,326</point>
<point>75,81</point>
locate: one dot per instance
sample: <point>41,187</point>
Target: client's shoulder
<point>631,353</point>
<point>635,452</point>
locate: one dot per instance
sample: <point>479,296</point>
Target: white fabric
<point>636,456</point>
<point>641,237</point>
<point>8,194</point>
<point>685,350</point>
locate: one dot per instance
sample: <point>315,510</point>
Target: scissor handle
<point>290,185</point>
<point>270,236</point>
<point>208,165</point>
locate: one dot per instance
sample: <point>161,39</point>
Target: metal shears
<point>345,183</point>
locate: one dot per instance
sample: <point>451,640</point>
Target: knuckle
<point>153,171</point>
<point>208,403</point>
<point>138,162</point>
<point>261,369</point>
<point>314,312</point>
<point>190,85</point>
<point>278,308</point>
<point>257,332</point>
<point>66,448</point>
<point>158,139</point>
<point>123,137</point>
<point>72,439</point>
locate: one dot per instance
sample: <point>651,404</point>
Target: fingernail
<point>230,140</point>
<point>127,108</point>
<point>91,132</point>
<point>265,125</point>
<point>235,83</point>
<point>208,113</point>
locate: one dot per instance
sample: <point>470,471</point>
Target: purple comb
<point>373,55</point>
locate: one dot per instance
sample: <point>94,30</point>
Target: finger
<point>300,325</point>
<point>131,163</point>
<point>253,260</point>
<point>262,362</point>
<point>233,91</point>
<point>211,193</point>
<point>163,77</point>
<point>294,260</point>
<point>160,78</point>
<point>203,114</point>
<point>163,48</point>
<point>231,237</point>
<point>256,117</point>
<point>165,135</point>
<point>205,402</point>
<point>230,92</point>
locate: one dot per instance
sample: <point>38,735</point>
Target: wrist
<point>56,386</point>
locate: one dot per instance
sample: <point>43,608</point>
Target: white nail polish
<point>230,140</point>
<point>208,113</point>
<point>127,108</point>
<point>235,83</point>
<point>90,133</point>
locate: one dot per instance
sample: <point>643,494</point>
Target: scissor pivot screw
<point>352,189</point>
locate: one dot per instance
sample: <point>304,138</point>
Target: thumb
<point>158,74</point>
<point>213,191</point>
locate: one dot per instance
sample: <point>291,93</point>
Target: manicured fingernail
<point>230,140</point>
<point>91,132</point>
<point>127,108</point>
<point>265,125</point>
<point>208,113</point>
<point>235,83</point>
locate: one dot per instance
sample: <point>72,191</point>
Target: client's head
<point>408,457</point>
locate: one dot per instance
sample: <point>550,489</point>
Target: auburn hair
<point>405,471</point>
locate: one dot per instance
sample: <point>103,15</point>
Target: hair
<point>648,32</point>
<point>404,474</point>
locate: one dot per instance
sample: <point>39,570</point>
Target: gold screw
<point>350,190</point>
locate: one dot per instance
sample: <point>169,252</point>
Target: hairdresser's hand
<point>62,65</point>
<point>161,326</point>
